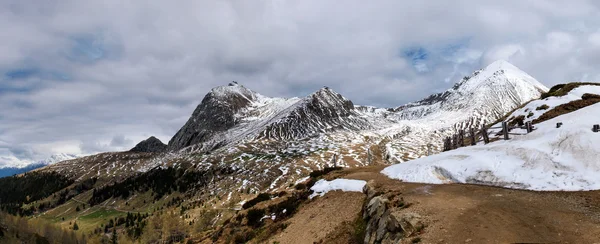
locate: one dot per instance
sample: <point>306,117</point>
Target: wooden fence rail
<point>458,140</point>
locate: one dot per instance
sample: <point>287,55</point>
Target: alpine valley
<point>243,159</point>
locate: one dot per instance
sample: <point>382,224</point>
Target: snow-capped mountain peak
<point>59,157</point>
<point>231,114</point>
<point>13,162</point>
<point>233,89</point>
<point>499,73</point>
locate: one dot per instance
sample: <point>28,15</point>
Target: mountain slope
<point>549,158</point>
<point>481,98</point>
<point>320,112</point>
<point>238,143</point>
<point>215,115</point>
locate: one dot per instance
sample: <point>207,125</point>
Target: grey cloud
<point>136,70</point>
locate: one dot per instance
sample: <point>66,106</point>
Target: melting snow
<point>323,186</point>
<point>548,159</point>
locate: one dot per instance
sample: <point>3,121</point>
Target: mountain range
<point>269,143</point>
<point>240,148</point>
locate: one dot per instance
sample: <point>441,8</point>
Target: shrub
<point>300,187</point>
<point>519,120</point>
<point>290,205</point>
<point>310,183</point>
<point>587,96</point>
<point>326,170</point>
<point>530,114</point>
<point>542,107</point>
<point>416,240</point>
<point>563,89</point>
<point>260,198</point>
<point>565,108</point>
<point>254,216</point>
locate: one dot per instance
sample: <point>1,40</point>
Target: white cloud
<point>107,69</point>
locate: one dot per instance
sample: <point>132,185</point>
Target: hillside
<point>239,145</point>
<point>549,158</point>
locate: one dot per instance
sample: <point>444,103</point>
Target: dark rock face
<point>215,114</point>
<point>322,111</point>
<point>151,144</point>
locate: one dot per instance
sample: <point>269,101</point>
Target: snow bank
<point>552,102</point>
<point>548,159</point>
<point>322,186</point>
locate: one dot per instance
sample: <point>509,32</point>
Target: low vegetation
<point>519,120</point>
<point>566,108</point>
<point>260,198</point>
<point>16,229</point>
<point>324,171</point>
<point>30,187</point>
<point>161,181</point>
<point>587,96</point>
<point>564,89</point>
<point>542,107</point>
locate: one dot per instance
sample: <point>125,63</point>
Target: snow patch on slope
<point>323,186</point>
<point>552,102</point>
<point>548,159</point>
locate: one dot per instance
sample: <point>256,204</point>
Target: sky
<point>91,76</point>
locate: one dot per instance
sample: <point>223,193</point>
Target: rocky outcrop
<point>323,111</point>
<point>215,115</point>
<point>151,144</point>
<point>387,219</point>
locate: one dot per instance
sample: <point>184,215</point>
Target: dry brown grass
<point>564,89</point>
<point>566,108</point>
<point>590,96</point>
<point>542,107</point>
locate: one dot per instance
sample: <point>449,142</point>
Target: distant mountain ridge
<point>240,143</point>
<point>231,114</point>
<point>13,170</point>
<point>264,144</point>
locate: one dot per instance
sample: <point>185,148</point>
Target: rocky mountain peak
<point>216,113</point>
<point>152,144</point>
<point>326,97</point>
<point>232,91</point>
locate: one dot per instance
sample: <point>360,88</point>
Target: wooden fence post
<point>596,128</point>
<point>454,141</point>
<point>505,130</point>
<point>528,127</point>
<point>473,137</point>
<point>484,133</point>
<point>428,149</point>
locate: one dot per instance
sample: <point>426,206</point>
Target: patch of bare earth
<point>457,213</point>
<point>320,217</point>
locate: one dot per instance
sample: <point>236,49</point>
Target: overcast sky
<point>90,76</point>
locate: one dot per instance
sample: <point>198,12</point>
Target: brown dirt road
<point>456,213</point>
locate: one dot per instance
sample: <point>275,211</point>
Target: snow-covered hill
<point>549,158</point>
<point>481,98</point>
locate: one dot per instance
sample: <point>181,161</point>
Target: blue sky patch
<point>417,57</point>
<point>87,49</point>
<point>23,73</point>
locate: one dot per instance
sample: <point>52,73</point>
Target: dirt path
<point>460,213</point>
<point>480,214</point>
